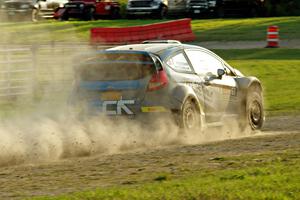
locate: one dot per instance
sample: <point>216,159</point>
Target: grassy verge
<point>268,176</point>
<point>205,30</point>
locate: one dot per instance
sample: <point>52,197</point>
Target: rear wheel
<point>162,13</point>
<point>189,119</point>
<point>90,14</point>
<point>115,14</point>
<point>220,13</point>
<point>253,12</point>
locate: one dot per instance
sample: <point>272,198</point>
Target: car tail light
<point>158,80</point>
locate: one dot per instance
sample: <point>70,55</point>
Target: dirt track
<point>138,166</point>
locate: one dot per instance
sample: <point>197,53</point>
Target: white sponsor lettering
<point>121,105</point>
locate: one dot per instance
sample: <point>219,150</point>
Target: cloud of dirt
<point>40,138</point>
<point>47,133</point>
<point>46,139</point>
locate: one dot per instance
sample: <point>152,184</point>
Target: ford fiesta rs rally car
<point>189,82</point>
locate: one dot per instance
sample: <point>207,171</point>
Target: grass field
<point>205,30</point>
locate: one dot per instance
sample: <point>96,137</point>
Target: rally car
<point>189,82</point>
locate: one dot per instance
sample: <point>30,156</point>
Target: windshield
<point>115,66</point>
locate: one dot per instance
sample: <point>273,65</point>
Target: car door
<point>184,73</point>
<point>216,90</point>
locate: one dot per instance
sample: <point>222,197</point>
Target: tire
<point>64,16</point>
<point>220,13</point>
<point>253,12</point>
<point>115,14</point>
<point>189,118</point>
<point>254,115</point>
<point>162,13</point>
<point>89,15</point>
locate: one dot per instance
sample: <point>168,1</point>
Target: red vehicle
<point>88,9</point>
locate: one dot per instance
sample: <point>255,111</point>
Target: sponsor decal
<point>121,105</point>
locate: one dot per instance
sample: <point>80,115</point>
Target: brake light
<point>158,81</point>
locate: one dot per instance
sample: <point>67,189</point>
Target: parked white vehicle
<point>46,8</point>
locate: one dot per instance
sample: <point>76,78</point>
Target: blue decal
<point>120,62</point>
<point>112,85</point>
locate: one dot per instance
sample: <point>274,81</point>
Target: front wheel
<point>254,112</point>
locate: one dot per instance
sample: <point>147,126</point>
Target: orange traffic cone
<point>273,37</point>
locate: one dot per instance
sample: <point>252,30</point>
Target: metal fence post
<point>34,82</point>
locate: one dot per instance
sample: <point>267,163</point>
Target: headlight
<point>61,5</point>
<point>107,7</point>
<point>81,6</point>
<point>3,6</point>
<point>24,6</point>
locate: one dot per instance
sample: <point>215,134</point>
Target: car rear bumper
<point>149,119</point>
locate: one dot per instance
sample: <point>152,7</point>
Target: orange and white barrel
<point>273,37</point>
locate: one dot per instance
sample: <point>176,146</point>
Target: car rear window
<point>114,66</point>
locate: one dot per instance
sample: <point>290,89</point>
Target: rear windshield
<point>114,66</point>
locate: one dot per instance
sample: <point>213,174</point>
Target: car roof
<point>160,49</point>
<point>163,50</point>
<point>153,48</point>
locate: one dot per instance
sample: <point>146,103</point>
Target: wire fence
<point>39,72</point>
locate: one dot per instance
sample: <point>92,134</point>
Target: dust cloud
<point>44,139</point>
<point>48,133</point>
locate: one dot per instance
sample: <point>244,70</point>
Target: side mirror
<point>220,73</point>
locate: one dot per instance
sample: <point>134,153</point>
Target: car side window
<point>228,70</point>
<point>204,63</point>
<point>179,63</point>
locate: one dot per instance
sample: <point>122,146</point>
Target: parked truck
<point>195,8</point>
<point>152,8</point>
<point>89,9</point>
<point>30,9</point>
<point>46,8</point>
<point>223,8</point>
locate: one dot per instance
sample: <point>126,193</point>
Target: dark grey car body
<point>190,73</point>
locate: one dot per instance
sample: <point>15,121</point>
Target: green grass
<point>205,30</point>
<point>244,29</point>
<point>275,176</point>
<point>279,71</point>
